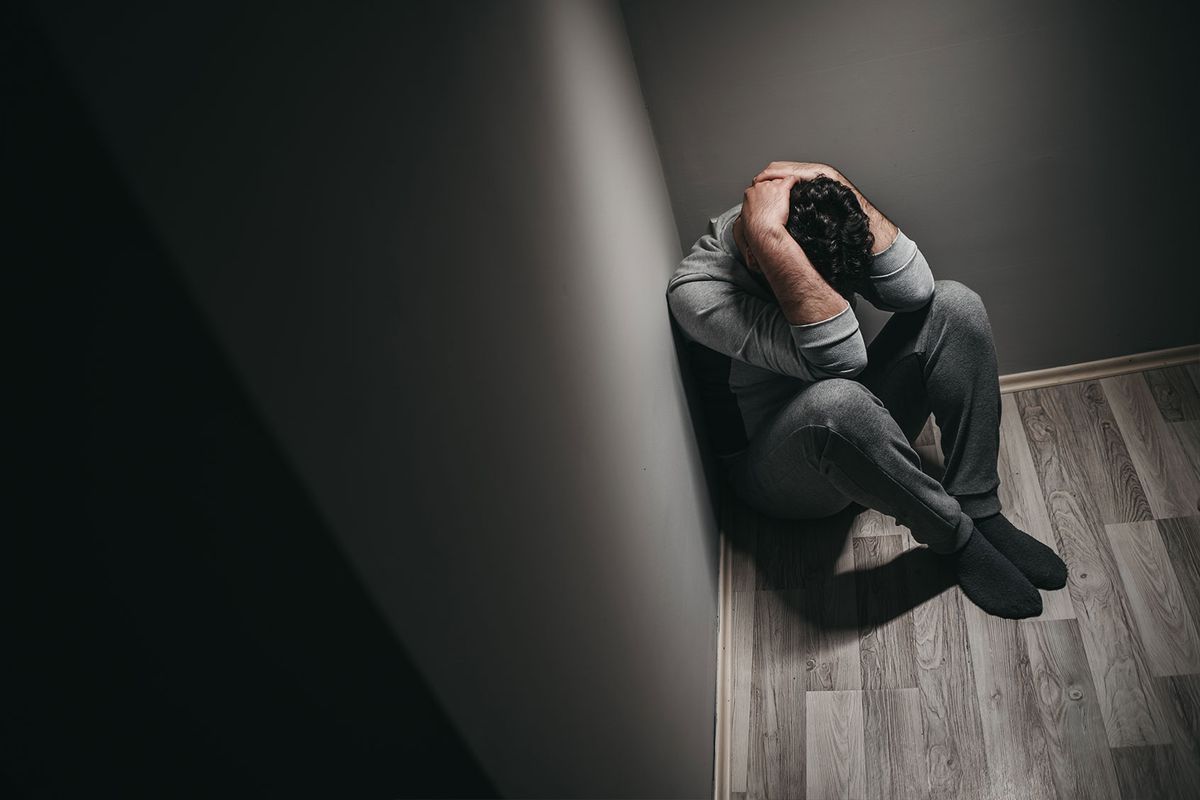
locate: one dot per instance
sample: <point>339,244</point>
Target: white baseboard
<point>721,759</point>
<point>1090,370</point>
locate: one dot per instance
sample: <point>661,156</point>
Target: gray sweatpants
<point>839,440</point>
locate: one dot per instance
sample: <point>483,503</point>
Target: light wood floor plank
<point>1183,701</point>
<point>1128,701</point>
<point>885,649</point>
<point>1145,773</point>
<point>870,523</point>
<point>834,745</point>
<point>831,641</point>
<point>929,447</point>
<point>1182,539</point>
<point>1021,497</point>
<point>1104,468</point>
<point>796,553</point>
<point>1187,433</point>
<point>1171,483</point>
<point>1174,393</point>
<point>1193,371</point>
<point>926,436</point>
<point>1164,624</point>
<point>1067,700</point>
<point>950,713</point>
<point>741,524</point>
<point>931,461</point>
<point>741,663</point>
<point>812,564</point>
<point>1017,764</point>
<point>777,749</point>
<point>895,745</point>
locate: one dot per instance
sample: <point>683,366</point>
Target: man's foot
<point>1037,562</point>
<point>992,582</point>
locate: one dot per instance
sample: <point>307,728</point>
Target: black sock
<point>1037,562</point>
<point>992,582</point>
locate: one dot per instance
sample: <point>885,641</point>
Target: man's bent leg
<point>834,442</point>
<point>941,358</point>
<point>835,437</point>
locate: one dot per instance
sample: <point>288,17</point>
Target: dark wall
<point>1035,150</point>
<point>180,620</point>
<point>432,240</point>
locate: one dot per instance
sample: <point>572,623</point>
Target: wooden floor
<point>858,669</point>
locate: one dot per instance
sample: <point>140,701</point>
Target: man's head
<point>825,218</point>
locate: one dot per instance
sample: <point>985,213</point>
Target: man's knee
<point>961,304</point>
<point>835,416</point>
<point>839,404</point>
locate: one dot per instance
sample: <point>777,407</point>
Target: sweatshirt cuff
<point>833,346</point>
<point>894,257</point>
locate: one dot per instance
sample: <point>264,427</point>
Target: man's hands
<point>881,227</point>
<point>765,206</point>
<point>743,245</point>
<point>762,223</point>
<point>760,232</point>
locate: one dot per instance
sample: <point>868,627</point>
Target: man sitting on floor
<point>814,419</point>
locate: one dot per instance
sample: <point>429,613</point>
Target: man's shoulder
<point>715,258</point>
<point>715,254</point>
<point>721,227</point>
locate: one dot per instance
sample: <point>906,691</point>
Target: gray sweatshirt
<point>749,359</point>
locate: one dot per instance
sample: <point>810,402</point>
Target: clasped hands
<point>765,205</point>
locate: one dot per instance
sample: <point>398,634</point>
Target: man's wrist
<point>776,250</point>
<point>780,253</point>
<point>766,239</point>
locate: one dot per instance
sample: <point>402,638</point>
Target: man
<point>806,419</point>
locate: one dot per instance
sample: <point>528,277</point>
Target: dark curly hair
<point>826,220</point>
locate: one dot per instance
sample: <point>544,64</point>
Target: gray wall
<point>434,245</point>
<point>1034,150</point>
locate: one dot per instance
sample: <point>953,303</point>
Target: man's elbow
<point>914,299</point>
<point>847,368</point>
<point>917,296</point>
<point>845,359</point>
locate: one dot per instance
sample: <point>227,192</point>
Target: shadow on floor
<point>849,571</point>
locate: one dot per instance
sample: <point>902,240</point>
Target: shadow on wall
<point>186,624</point>
<point>695,389</point>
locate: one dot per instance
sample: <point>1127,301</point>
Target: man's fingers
<point>784,183</point>
<point>770,174</point>
<point>774,174</point>
<point>784,169</point>
<point>780,180</point>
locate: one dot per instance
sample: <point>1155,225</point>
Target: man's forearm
<point>803,295</point>
<point>882,229</point>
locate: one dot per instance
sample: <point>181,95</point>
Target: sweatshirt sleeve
<point>900,278</point>
<point>724,317</point>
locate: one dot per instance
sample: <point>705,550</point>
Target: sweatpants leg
<point>838,441</point>
<point>941,359</point>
